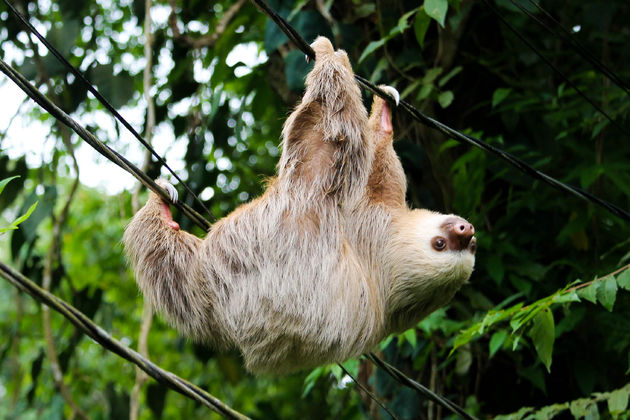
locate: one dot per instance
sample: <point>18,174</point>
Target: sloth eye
<point>439,244</point>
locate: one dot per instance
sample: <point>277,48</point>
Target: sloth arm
<point>386,183</point>
<point>168,266</point>
<point>325,146</point>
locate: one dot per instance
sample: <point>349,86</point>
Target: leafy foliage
<point>523,337</point>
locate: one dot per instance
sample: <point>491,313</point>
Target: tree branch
<point>207,40</point>
<point>147,310</point>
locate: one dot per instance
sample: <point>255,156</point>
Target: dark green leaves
<point>296,69</point>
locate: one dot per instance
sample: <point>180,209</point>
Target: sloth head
<point>431,255</point>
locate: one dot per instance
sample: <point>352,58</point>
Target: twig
<point>147,309</point>
<point>207,40</point>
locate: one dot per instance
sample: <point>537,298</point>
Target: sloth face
<point>444,243</point>
<point>432,247</point>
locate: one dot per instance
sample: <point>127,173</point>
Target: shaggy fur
<point>327,262</point>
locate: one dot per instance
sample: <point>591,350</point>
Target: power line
<point>99,146</point>
<point>102,100</point>
<point>98,334</point>
<point>577,46</point>
<point>554,68</point>
<point>462,138</point>
<point>369,393</point>
<point>418,387</point>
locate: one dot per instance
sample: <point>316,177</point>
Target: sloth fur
<point>327,262</point>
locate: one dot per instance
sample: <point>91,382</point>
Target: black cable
<point>98,334</point>
<point>103,101</point>
<point>421,389</point>
<point>368,392</point>
<point>577,46</point>
<point>99,146</point>
<point>462,138</point>
<point>555,69</point>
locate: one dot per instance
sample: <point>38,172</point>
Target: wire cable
<point>418,387</point>
<point>368,392</point>
<point>98,334</point>
<point>554,68</point>
<point>462,138</point>
<point>99,146</point>
<point>565,34</point>
<point>102,100</point>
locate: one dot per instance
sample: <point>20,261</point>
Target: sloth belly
<point>294,301</point>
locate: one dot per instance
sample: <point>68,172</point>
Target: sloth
<point>327,262</point>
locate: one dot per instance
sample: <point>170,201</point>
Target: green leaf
<point>618,401</point>
<point>311,379</point>
<point>431,75</point>
<point>410,336</point>
<point>571,296</point>
<point>607,293</point>
<point>421,25</point>
<point>496,341</point>
<point>445,98</point>
<point>499,95</point>
<point>5,181</point>
<point>403,24</point>
<point>589,292</point>
<point>25,215</point>
<point>296,68</point>
<point>579,408</point>
<point>352,366</point>
<point>495,268</point>
<point>372,46</point>
<point>299,5</point>
<point>543,335</point>
<point>448,76</point>
<point>436,9</point>
<point>623,279</point>
<point>424,92</point>
<point>383,345</point>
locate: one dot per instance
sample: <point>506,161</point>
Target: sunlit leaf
<point>623,279</point>
<point>543,335</point>
<point>445,98</point>
<point>436,9</point>
<point>5,181</point>
<point>589,292</point>
<point>25,215</point>
<point>618,401</point>
<point>607,293</point>
<point>372,46</point>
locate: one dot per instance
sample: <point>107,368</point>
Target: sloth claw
<point>170,189</point>
<point>391,91</point>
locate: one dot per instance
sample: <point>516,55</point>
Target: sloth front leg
<point>325,150</point>
<point>387,183</point>
<point>167,265</point>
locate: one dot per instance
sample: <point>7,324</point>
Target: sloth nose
<point>459,233</point>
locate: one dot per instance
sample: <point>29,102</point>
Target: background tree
<point>224,78</point>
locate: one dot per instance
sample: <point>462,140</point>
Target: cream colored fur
<point>326,263</point>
